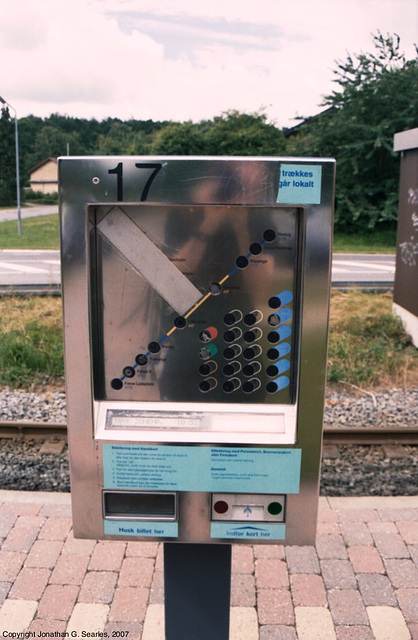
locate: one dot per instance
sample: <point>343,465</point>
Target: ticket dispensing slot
<point>140,505</point>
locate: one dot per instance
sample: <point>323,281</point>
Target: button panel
<point>244,507</point>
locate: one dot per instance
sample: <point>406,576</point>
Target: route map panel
<point>200,303</point>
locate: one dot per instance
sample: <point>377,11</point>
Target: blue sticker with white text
<point>300,184</point>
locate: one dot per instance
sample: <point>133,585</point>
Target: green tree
<point>7,160</point>
<point>179,139</point>
<point>377,96</point>
<point>243,134</point>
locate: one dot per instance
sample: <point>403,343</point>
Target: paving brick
<point>134,630</point>
<point>408,531</point>
<point>376,590</point>
<point>90,618</point>
<point>408,602</point>
<point>402,514</point>
<point>6,523</point>
<point>98,586</point>
<point>356,533</point>
<point>107,556</point>
<point>129,605</point>
<point>354,632</point>
<point>366,560</point>
<point>413,630</point>
<point>20,508</point>
<point>44,554</point>
<point>269,551</point>
<point>302,559</point>
<point>308,590</point>
<point>277,632</point>
<point>159,563</point>
<point>390,545</point>
<point>57,602</point>
<point>243,623</point>
<point>382,527</point>
<point>275,607</point>
<point>402,573</point>
<point>70,570</point>
<point>16,615</point>
<point>142,549</point>
<point>10,564</point>
<point>136,572</point>
<point>314,623</point>
<point>271,573</point>
<point>347,607</point>
<point>30,584</point>
<point>56,511</point>
<point>243,590</point>
<point>154,623</point>
<point>338,574</point>
<point>4,590</point>
<point>358,515</point>
<point>22,536</point>
<point>331,546</point>
<point>413,550</point>
<point>55,529</point>
<point>78,546</point>
<point>157,588</point>
<point>387,623</point>
<point>332,528</point>
<point>39,626</point>
<point>242,559</point>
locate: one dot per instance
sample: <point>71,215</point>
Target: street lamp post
<point>19,218</point>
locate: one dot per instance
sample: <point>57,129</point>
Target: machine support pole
<point>197,580</point>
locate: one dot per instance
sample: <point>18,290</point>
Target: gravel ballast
<point>349,471</point>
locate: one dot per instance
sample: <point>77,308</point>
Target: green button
<point>274,508</point>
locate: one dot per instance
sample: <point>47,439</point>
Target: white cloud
<point>185,59</point>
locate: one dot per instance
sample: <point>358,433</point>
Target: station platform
<point>359,582</point>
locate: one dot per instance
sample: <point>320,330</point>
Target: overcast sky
<point>185,59</point>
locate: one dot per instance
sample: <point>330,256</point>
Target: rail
<point>340,436</point>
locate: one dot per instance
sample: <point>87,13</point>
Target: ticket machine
<point>196,294</point>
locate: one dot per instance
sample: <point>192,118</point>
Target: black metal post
<point>197,579</point>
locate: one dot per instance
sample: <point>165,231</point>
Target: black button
<point>229,370</point>
<point>229,336</point>
<point>229,353</point>
<point>249,336</point>
<point>204,369</point>
<point>116,383</point>
<point>248,370</point>
<point>228,386</point>
<point>249,353</point>
<point>154,347</point>
<point>180,322</point>
<point>241,262</point>
<point>269,235</point>
<point>274,302</point>
<point>271,387</point>
<point>250,319</point>
<point>272,354</point>
<point>248,386</point>
<point>141,359</point>
<point>256,248</point>
<point>272,371</point>
<point>129,372</point>
<point>230,319</point>
<point>204,385</point>
<point>273,337</point>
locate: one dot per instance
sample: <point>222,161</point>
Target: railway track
<point>337,436</point>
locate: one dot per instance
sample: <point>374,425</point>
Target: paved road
<point>43,268</point>
<point>28,212</point>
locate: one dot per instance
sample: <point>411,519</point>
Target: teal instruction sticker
<point>144,529</point>
<point>253,531</point>
<point>300,184</point>
<point>189,468</point>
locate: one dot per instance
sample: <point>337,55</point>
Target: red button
<point>221,506</point>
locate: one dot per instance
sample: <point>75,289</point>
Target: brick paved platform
<point>359,582</point>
